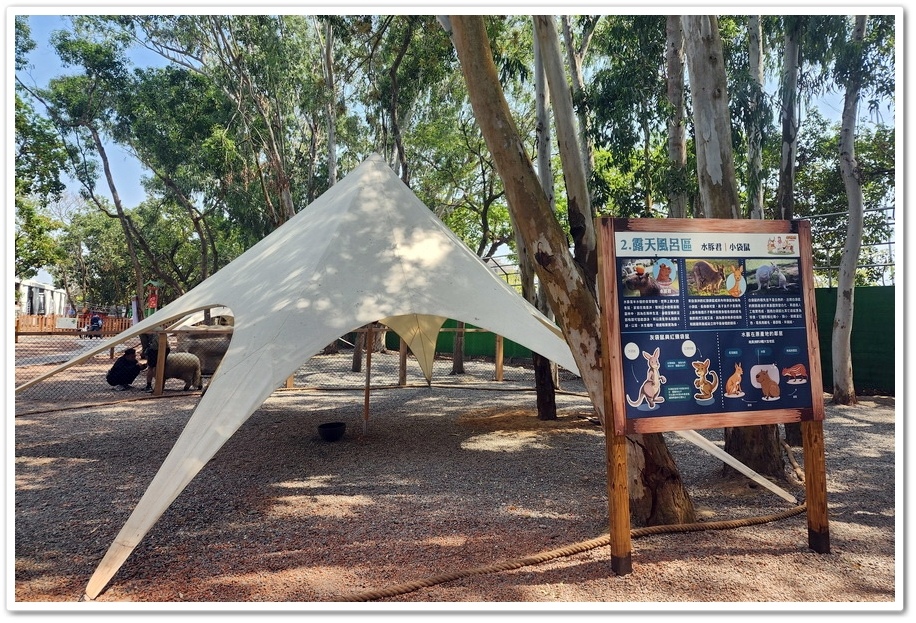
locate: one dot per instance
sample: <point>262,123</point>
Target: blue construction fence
<point>873,339</point>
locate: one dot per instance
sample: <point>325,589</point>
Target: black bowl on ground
<point>331,431</point>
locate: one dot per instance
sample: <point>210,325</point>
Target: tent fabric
<point>367,250</point>
<point>419,331</point>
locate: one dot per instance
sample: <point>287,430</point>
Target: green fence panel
<point>476,344</point>
<point>873,339</point>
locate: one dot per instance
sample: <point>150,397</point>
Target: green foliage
<point>241,109</point>
<point>34,245</point>
<point>821,195</point>
<point>39,161</point>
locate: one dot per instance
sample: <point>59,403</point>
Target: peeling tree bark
<point>785,193</point>
<point>579,204</point>
<point>677,128</point>
<point>711,116</point>
<point>844,391</point>
<point>663,498</point>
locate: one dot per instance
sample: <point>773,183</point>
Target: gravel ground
<point>445,479</point>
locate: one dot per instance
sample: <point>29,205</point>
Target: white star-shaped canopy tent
<point>368,250</point>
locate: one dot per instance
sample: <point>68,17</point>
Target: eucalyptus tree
<point>82,108</point>
<point>40,159</point>
<point>93,267</point>
<point>821,196</point>
<point>660,499</point>
<point>864,66</point>
<point>269,67</point>
<point>546,377</point>
<point>626,97</point>
<point>580,211</point>
<point>175,123</point>
<point>401,59</point>
<point>711,116</point>
<point>578,33</point>
<point>676,186</point>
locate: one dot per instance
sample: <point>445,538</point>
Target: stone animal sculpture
<point>184,366</point>
<point>651,389</point>
<point>707,278</point>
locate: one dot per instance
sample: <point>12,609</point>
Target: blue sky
<point>127,171</point>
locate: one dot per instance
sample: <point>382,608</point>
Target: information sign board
<point>714,323</point>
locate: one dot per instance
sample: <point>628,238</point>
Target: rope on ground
<point>575,548</point>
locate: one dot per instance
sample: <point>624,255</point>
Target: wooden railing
<point>67,324</point>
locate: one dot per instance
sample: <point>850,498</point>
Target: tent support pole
<point>402,364</point>
<point>499,357</point>
<point>163,338</point>
<point>369,345</point>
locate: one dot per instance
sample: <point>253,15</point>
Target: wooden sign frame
<point>705,320</point>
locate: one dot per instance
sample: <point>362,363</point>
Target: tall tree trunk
<point>754,133</point>
<point>544,369</point>
<point>677,128</point>
<point>844,391</point>
<point>788,113</point>
<point>711,116</point>
<point>458,350</point>
<point>719,192</point>
<point>758,447</point>
<point>573,302</point>
<point>574,55</point>
<point>579,205</point>
<point>327,60</point>
<point>139,282</point>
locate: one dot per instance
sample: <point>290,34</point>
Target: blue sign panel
<point>711,323</point>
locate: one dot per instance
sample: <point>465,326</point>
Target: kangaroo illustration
<point>735,290</point>
<point>733,384</point>
<point>706,387</point>
<point>651,389</point>
<point>795,372</point>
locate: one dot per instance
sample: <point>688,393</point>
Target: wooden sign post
<point>708,323</point>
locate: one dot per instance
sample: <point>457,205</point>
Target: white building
<point>34,297</point>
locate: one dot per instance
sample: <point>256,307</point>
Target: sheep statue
<point>184,366</point>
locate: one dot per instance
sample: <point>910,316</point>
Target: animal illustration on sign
<point>733,384</point>
<point>651,389</point>
<point>735,290</point>
<point>707,278</point>
<point>768,386</point>
<point>796,373</point>
<point>664,275</point>
<point>706,387</point>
